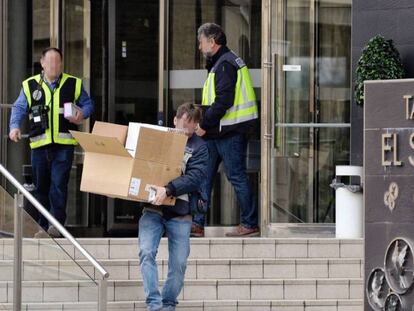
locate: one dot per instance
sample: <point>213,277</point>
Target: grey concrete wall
<point>394,20</point>
<point>388,190</point>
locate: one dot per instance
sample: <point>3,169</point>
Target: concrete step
<point>242,289</point>
<point>201,248</point>
<point>125,269</point>
<point>211,305</point>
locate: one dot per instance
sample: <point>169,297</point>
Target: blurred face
<point>188,126</point>
<point>52,65</point>
<point>207,46</point>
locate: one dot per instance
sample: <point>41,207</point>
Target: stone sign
<point>389,194</point>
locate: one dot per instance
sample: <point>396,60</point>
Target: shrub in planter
<point>379,60</point>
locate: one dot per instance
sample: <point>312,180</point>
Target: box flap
<point>100,144</point>
<point>111,130</point>
<point>101,176</point>
<point>133,134</point>
<point>161,147</point>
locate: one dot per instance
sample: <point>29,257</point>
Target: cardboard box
<point>69,110</point>
<point>112,170</point>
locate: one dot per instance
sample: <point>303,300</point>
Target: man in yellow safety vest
<point>42,98</point>
<point>230,113</point>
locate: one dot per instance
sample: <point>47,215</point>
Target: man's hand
<point>160,195</point>
<point>78,118</point>
<point>15,135</point>
<point>200,131</point>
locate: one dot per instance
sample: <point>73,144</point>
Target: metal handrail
<point>18,205</point>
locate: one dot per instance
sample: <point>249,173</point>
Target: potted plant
<point>379,60</point>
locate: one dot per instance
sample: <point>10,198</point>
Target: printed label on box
<point>152,192</point>
<point>134,186</point>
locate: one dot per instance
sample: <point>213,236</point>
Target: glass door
<point>310,53</point>
<point>76,36</point>
<point>133,32</point>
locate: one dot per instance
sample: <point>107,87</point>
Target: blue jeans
<point>151,228</point>
<point>232,151</point>
<point>51,167</point>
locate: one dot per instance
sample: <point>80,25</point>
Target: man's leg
<point>233,152</point>
<point>207,185</point>
<point>150,231</point>
<point>41,179</point>
<point>198,211</point>
<point>60,172</point>
<point>178,232</point>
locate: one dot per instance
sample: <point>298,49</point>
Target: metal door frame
<point>162,84</point>
<point>4,107</point>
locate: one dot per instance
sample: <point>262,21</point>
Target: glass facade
<point>114,47</point>
<point>242,24</point>
<point>132,84</point>
<point>76,38</point>
<point>41,31</point>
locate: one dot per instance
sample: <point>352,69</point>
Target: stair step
<point>201,248</point>
<point>211,305</point>
<point>245,289</point>
<point>223,274</point>
<point>196,269</point>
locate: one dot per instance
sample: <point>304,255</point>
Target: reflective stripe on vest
<point>38,138</point>
<point>244,106</point>
<point>46,137</point>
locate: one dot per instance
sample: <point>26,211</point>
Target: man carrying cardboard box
<point>175,220</point>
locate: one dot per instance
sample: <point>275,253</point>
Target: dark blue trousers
<point>51,171</point>
<point>232,151</point>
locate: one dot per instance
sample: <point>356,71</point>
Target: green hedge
<point>380,60</point>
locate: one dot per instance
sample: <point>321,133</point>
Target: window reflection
<point>41,31</point>
<point>241,21</point>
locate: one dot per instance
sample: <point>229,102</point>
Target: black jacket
<point>196,158</point>
<point>225,81</point>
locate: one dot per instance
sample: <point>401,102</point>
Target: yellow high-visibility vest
<point>244,106</point>
<point>37,92</point>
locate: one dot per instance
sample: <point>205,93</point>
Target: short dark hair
<point>193,112</point>
<point>51,48</point>
<point>212,30</point>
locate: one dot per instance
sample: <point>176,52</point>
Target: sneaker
<point>242,231</point>
<point>197,231</point>
<point>41,234</point>
<point>53,232</point>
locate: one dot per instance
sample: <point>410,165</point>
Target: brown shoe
<point>242,231</point>
<point>197,231</point>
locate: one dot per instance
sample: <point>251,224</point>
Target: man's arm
<point>225,80</point>
<point>87,107</point>
<point>195,172</point>
<point>19,112</point>
<point>85,103</point>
